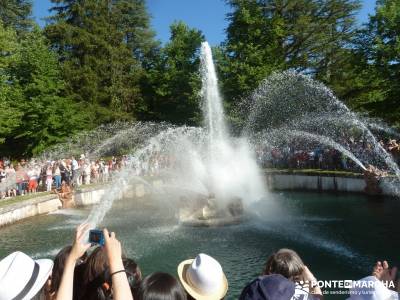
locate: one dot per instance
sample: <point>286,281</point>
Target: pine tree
<point>16,14</point>
<point>100,43</point>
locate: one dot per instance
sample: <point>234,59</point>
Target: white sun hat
<point>203,278</point>
<point>21,277</point>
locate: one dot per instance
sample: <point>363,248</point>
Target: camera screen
<point>95,237</point>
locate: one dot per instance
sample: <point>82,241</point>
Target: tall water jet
<point>213,111</point>
<point>204,163</point>
<point>232,169</point>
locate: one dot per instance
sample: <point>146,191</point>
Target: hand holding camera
<point>79,246</point>
<point>113,250</point>
<point>111,244</point>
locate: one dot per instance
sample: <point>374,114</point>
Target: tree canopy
<point>172,83</point>
<point>268,35</point>
<point>98,61</point>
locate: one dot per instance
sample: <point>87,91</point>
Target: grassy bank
<point>18,199</point>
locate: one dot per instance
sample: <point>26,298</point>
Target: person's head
<point>94,277</point>
<point>100,288</point>
<point>160,286</point>
<point>133,272</point>
<point>23,278</point>
<point>59,263</point>
<point>203,278</point>
<point>269,287</point>
<point>96,264</point>
<point>285,262</point>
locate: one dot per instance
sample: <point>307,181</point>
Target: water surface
<point>338,236</point>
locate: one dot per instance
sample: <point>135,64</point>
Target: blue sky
<point>207,15</point>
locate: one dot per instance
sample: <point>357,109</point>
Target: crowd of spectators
<point>31,176</point>
<point>300,155</point>
<point>101,271</point>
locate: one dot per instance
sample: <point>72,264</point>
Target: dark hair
<point>95,265</point>
<point>133,272</point>
<point>93,274</point>
<point>99,288</point>
<point>160,286</point>
<point>58,268</point>
<point>285,262</point>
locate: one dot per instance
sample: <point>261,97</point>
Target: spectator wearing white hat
<point>203,278</point>
<point>21,277</point>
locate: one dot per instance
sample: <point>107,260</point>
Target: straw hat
<point>21,277</point>
<point>203,278</point>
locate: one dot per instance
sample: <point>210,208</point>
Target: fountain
<point>229,166</point>
<point>211,176</point>
<point>290,108</point>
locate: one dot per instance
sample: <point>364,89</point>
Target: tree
<point>368,80</point>
<point>100,44</point>
<point>268,35</point>
<point>10,92</point>
<point>381,49</point>
<point>172,84</point>
<point>250,49</point>
<point>16,14</point>
<point>132,19</point>
<point>47,116</point>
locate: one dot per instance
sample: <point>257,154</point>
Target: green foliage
<point>173,83</point>
<point>97,61</point>
<point>268,35</point>
<point>16,14</point>
<point>48,116</point>
<point>100,44</point>
<point>250,49</point>
<point>382,53</point>
<point>34,112</point>
<point>369,80</point>
<point>10,92</point>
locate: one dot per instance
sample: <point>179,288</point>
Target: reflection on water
<point>339,237</point>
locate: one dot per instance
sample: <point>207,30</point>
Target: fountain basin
<point>314,224</point>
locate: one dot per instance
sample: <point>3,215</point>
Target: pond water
<point>338,236</point>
